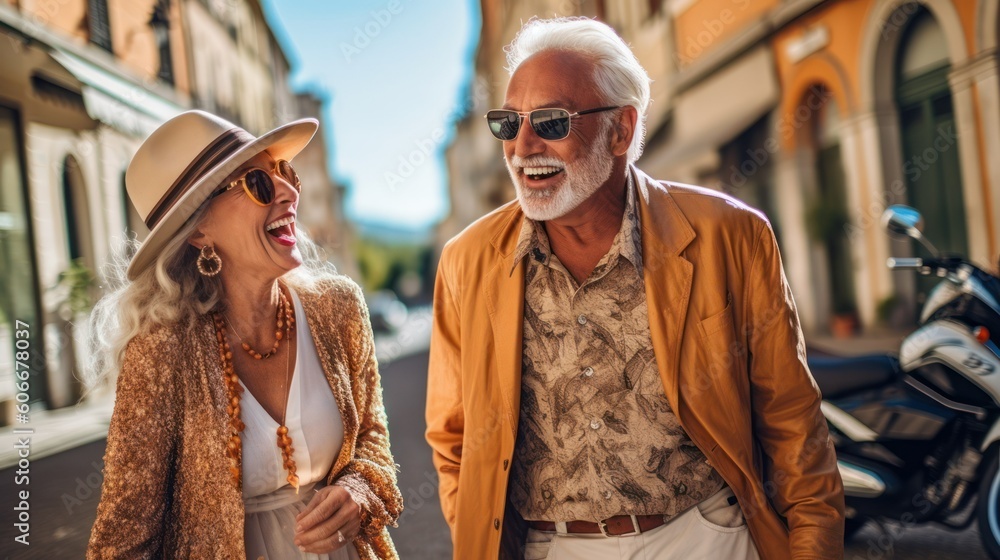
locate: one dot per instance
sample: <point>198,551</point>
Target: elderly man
<point>617,368</point>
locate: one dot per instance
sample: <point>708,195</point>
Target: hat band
<point>216,153</point>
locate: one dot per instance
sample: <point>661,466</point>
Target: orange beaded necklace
<point>234,449</point>
<point>284,309</point>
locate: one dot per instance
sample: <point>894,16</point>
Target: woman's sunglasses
<point>548,124</point>
<point>258,184</point>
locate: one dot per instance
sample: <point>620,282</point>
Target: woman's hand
<point>331,520</point>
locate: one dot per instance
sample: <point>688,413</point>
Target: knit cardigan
<point>168,491</point>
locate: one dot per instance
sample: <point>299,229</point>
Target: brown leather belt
<point>616,526</point>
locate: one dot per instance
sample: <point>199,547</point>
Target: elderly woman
<point>248,421</point>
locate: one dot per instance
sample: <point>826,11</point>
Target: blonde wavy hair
<point>170,292</point>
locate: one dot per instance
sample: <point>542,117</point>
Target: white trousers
<point>712,530</point>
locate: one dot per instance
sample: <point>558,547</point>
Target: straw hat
<point>185,160</point>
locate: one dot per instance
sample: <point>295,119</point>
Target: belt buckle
<point>603,526</point>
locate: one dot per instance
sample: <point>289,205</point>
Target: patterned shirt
<point>596,437</point>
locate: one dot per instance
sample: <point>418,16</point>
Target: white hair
<point>169,292</point>
<point>618,76</point>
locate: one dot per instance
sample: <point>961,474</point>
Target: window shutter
<point>100,28</point>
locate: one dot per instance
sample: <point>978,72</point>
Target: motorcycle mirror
<point>903,220</point>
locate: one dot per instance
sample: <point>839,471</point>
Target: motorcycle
<point>918,435</point>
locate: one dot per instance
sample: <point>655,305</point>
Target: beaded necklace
<point>284,309</point>
<point>234,449</point>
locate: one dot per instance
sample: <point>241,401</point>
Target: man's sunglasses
<point>258,184</point>
<point>548,124</point>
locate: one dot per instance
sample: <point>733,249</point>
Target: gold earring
<point>209,263</point>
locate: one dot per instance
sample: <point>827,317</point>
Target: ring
<point>340,536</point>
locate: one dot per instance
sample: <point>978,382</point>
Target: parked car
<point>388,314</point>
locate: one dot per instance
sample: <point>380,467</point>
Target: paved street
<point>64,495</point>
<point>422,532</point>
<point>65,488</point>
<point>918,543</point>
<point>64,491</point>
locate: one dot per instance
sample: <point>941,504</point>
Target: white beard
<point>582,179</point>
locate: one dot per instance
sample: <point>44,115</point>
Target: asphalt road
<point>927,542</point>
<point>422,532</point>
<point>64,492</point>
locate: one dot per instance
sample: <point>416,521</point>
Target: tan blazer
<point>167,490</point>
<point>731,356</point>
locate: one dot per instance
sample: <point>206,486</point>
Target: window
<point>655,8</point>
<point>100,28</point>
<point>160,22</point>
<point>828,217</point>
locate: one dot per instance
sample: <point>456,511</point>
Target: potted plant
<point>826,222</point>
<point>844,323</point>
<point>73,300</point>
<point>76,284</point>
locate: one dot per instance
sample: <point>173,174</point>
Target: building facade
<point>82,83</point>
<point>820,113</point>
<point>321,203</point>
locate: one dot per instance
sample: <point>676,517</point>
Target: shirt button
<point>505,463</point>
<point>588,372</point>
<point>595,424</point>
<point>582,319</point>
<point>496,524</point>
<point>607,495</point>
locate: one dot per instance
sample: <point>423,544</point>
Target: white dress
<point>317,432</point>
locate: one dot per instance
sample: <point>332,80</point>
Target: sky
<point>393,72</point>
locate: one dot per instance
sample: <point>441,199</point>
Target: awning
<point>116,101</point>
<point>110,96</point>
<point>716,110</point>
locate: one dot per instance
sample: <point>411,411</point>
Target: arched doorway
<point>827,216</point>
<point>66,325</point>
<point>929,138</point>
<point>76,211</point>
<point>886,39</point>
